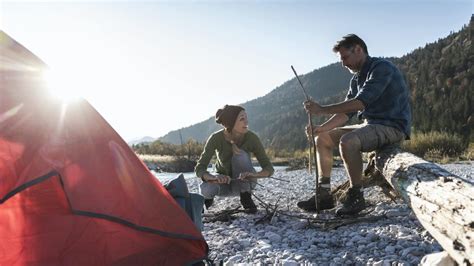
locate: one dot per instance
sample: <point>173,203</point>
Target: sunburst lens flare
<point>61,85</point>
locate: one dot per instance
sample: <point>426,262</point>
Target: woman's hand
<point>218,179</point>
<point>245,175</point>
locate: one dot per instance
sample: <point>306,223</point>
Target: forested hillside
<point>440,76</point>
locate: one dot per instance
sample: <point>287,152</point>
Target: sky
<point>150,67</point>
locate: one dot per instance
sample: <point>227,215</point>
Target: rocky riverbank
<point>394,237</point>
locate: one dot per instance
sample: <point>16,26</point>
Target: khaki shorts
<point>371,136</point>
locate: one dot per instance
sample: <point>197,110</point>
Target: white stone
<point>244,242</point>
<point>289,263</point>
<point>233,260</point>
<point>437,259</point>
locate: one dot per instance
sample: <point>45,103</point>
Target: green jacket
<point>216,144</point>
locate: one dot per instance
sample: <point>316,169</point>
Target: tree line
<point>191,149</point>
<point>440,77</point>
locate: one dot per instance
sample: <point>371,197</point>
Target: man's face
<point>351,58</point>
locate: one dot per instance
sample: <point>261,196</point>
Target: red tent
<point>71,190</point>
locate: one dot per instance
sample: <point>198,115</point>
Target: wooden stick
<point>312,143</point>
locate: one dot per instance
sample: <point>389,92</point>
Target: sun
<point>62,85</point>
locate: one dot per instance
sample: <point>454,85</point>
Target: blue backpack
<point>192,203</point>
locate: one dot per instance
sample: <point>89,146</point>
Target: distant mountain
<point>278,117</point>
<point>440,76</point>
<point>145,140</point>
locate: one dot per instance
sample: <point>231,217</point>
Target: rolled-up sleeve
<point>351,94</point>
<point>374,86</point>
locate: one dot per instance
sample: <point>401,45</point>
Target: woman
<point>232,147</point>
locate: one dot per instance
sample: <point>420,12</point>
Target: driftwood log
<point>441,201</point>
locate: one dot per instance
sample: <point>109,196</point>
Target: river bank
<point>176,164</point>
<point>395,239</point>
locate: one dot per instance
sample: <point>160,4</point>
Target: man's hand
<point>312,107</point>
<point>218,179</point>
<point>316,130</point>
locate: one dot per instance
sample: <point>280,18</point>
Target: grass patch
<point>437,146</point>
<point>156,158</point>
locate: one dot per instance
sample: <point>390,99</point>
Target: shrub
<point>435,144</point>
<point>468,154</point>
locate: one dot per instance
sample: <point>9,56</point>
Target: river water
<point>164,176</point>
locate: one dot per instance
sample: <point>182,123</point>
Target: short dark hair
<point>348,42</point>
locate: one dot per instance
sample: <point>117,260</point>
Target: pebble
<point>397,240</point>
<point>289,263</point>
<point>273,237</point>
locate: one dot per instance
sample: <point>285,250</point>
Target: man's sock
<point>325,182</point>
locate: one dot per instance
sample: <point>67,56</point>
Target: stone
<point>273,237</point>
<point>378,263</point>
<point>395,213</point>
<point>244,242</point>
<point>233,260</point>
<point>437,259</point>
<point>371,237</point>
<point>288,262</point>
<point>390,249</point>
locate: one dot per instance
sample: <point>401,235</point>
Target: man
<point>379,94</point>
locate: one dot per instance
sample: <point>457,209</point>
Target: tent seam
<point>93,214</point>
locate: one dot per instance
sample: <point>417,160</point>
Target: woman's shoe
<point>247,202</point>
<point>208,203</point>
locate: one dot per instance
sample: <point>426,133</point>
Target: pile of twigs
<point>326,221</point>
<point>221,216</point>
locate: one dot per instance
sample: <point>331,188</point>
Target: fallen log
<point>441,201</point>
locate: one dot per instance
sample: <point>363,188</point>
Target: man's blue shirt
<point>380,86</point>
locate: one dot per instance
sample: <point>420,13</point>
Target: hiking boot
<point>325,198</point>
<point>247,202</point>
<point>208,203</point>
<point>352,203</point>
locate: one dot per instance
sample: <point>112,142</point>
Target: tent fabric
<point>72,192</point>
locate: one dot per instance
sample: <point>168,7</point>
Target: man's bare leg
<point>350,149</point>
<point>324,146</point>
<point>353,202</point>
<point>324,149</point>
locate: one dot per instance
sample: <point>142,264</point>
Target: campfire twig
<point>347,221</point>
<point>266,205</point>
<point>323,223</point>
<point>221,216</point>
<point>270,213</point>
<point>275,211</point>
<point>287,181</point>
